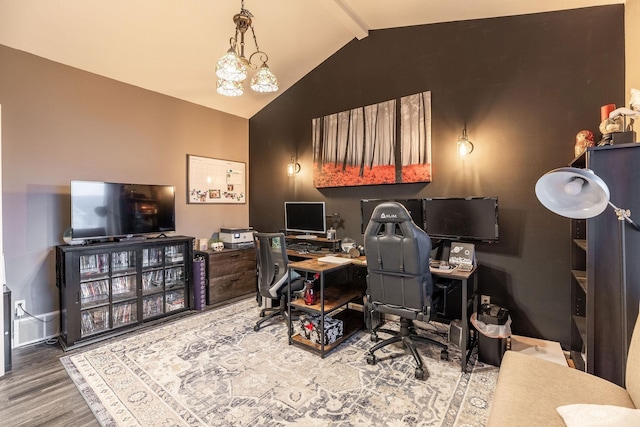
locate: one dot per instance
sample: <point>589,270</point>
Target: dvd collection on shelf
<point>174,254</point>
<point>123,261</point>
<point>152,305</point>
<point>152,257</point>
<point>94,292</point>
<point>125,313</point>
<point>173,277</point>
<point>152,281</point>
<point>95,320</point>
<point>95,264</point>
<point>123,287</point>
<point>175,300</point>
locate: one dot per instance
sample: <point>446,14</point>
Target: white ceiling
<point>171,46</point>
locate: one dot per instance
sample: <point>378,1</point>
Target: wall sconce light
<point>293,167</point>
<point>465,147</point>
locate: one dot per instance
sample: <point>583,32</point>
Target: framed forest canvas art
<point>384,143</point>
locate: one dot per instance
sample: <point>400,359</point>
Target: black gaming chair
<point>399,280</point>
<point>272,266</point>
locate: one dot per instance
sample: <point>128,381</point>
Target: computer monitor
<point>305,217</point>
<point>414,206</point>
<point>462,219</point>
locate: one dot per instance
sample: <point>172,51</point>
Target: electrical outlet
<point>20,307</point>
<point>485,299</point>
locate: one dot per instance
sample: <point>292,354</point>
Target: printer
<point>234,238</point>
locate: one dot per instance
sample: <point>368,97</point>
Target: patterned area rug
<point>212,369</point>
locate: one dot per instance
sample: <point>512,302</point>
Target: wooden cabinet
<point>597,255</point>
<point>106,288</point>
<point>231,273</point>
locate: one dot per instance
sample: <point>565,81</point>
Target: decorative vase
<point>310,296</point>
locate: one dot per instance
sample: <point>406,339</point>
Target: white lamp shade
<point>573,192</point>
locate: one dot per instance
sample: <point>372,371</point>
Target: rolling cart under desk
<point>334,299</point>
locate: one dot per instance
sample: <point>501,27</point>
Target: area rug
<point>212,369</point>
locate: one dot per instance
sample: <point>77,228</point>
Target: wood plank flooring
<point>38,392</point>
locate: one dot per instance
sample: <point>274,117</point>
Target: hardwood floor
<point>38,391</point>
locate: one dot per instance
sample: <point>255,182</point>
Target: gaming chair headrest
<point>390,212</point>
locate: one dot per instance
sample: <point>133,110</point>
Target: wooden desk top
<point>453,273</point>
<point>312,264</point>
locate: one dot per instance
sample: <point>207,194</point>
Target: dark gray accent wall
<point>524,86</point>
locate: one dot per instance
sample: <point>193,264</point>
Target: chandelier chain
<point>231,69</point>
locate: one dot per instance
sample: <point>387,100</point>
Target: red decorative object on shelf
<point>310,296</point>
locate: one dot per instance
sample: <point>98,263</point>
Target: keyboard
<point>303,247</point>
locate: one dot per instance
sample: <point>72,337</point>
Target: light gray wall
<point>61,124</point>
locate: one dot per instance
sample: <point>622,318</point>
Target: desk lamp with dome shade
<point>580,194</point>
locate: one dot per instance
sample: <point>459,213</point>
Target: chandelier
<point>231,69</point>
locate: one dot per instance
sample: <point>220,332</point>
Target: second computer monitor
<point>462,218</point>
<point>414,206</point>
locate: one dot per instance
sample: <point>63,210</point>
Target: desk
<point>295,255</point>
<point>334,299</point>
<point>469,300</point>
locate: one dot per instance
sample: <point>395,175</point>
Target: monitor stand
<point>306,236</point>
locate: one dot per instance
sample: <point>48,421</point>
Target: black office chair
<point>272,266</point>
<point>399,281</point>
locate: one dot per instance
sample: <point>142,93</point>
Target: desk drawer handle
<point>234,255</point>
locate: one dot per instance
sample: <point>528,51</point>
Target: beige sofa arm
<point>530,389</point>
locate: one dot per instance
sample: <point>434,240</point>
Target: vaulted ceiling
<point>171,46</point>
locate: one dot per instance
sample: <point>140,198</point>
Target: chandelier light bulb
<point>229,88</point>
<point>264,80</point>
<point>230,67</point>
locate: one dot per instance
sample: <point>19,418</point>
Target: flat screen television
<point>107,209</point>
<point>308,218</point>
<point>414,206</point>
<point>468,218</point>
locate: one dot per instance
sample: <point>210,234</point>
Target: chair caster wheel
<point>371,359</point>
<point>256,328</point>
<point>374,337</point>
<point>444,355</point>
<point>262,314</point>
<point>419,373</point>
